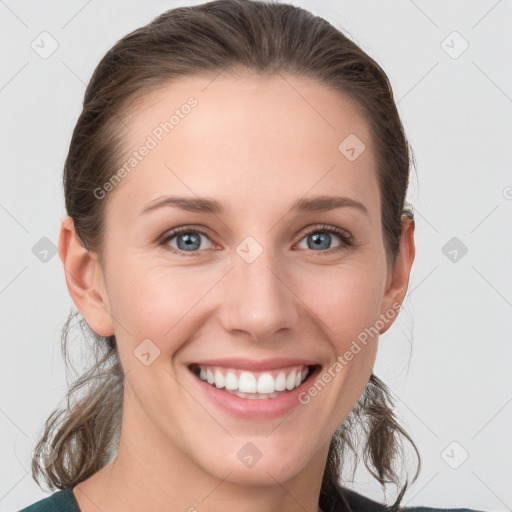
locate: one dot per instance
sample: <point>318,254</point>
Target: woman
<point>236,240</point>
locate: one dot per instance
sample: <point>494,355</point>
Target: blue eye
<point>320,236</point>
<point>188,240</point>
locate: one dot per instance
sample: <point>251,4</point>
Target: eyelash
<point>345,237</point>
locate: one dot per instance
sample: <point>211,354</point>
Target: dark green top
<point>60,501</point>
<point>64,501</point>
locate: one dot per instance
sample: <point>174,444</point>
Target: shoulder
<point>358,503</point>
<point>432,509</point>
<point>60,501</point>
<point>355,502</point>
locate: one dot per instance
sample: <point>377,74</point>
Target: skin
<point>177,449</point>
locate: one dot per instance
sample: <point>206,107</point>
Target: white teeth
<point>231,381</point>
<point>219,379</point>
<point>290,381</point>
<point>266,383</point>
<point>280,383</point>
<point>247,383</point>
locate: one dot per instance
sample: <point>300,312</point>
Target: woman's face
<point>255,290</point>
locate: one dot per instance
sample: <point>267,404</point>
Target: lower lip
<point>265,408</point>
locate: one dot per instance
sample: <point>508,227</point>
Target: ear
<point>84,278</point>
<point>398,277</point>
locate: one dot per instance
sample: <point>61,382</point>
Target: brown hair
<point>206,39</point>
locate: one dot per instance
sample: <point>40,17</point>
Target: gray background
<point>452,384</point>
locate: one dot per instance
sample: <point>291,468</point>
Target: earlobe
<point>398,280</point>
<point>84,279</point>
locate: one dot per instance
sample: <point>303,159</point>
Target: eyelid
<point>342,233</point>
<point>186,228</point>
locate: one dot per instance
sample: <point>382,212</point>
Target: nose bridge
<point>258,300</point>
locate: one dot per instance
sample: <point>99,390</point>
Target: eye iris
<point>318,239</point>
<point>192,241</point>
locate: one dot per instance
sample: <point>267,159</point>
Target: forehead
<point>209,135</point>
<point>251,103</point>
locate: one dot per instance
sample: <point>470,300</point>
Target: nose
<point>258,299</point>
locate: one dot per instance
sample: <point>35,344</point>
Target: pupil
<point>318,239</point>
<point>191,241</point>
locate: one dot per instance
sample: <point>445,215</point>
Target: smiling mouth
<point>254,385</point>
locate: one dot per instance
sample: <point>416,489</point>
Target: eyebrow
<point>208,205</point>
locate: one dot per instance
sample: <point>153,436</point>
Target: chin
<point>249,465</point>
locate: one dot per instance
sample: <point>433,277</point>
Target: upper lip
<point>254,365</point>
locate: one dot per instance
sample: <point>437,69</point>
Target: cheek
<point>347,299</point>
<point>348,302</point>
<point>152,301</point>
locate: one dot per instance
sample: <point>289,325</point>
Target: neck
<point>150,473</point>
